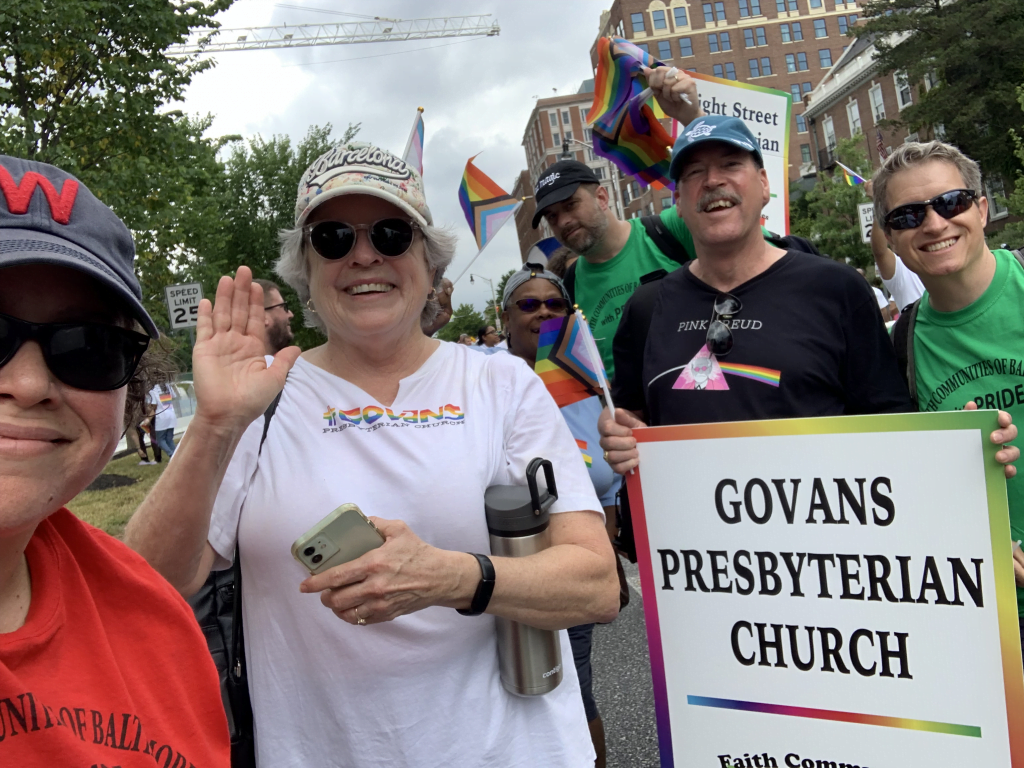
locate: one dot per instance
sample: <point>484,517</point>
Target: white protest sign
<point>183,304</point>
<point>867,220</point>
<point>815,600</point>
<point>766,113</point>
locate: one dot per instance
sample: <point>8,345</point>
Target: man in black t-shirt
<point>746,331</point>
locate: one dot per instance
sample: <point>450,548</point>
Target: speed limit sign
<point>183,304</point>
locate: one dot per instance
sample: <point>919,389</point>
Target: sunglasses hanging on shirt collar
<point>719,339</point>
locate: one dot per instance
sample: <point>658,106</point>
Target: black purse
<point>218,609</point>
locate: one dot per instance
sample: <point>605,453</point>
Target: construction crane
<point>306,35</point>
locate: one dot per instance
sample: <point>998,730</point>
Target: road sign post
<point>183,304</point>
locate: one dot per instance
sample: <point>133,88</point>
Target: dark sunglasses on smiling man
<point>334,240</point>
<point>947,205</point>
<point>89,356</point>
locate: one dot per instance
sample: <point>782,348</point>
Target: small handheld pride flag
<point>486,205</point>
<point>568,361</point>
<point>414,147</point>
<point>852,177</point>
<point>626,129</point>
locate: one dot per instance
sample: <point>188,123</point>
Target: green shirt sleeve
<point>674,223</point>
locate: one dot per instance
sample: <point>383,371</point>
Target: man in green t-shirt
<point>614,254</point>
<point>968,336</point>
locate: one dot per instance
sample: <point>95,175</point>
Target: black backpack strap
<point>665,240</point>
<point>268,415</point>
<point>903,341</point>
<point>569,281</point>
<point>1019,255</point>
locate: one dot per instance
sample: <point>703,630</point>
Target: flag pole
<point>512,215</point>
<point>595,360</point>
<point>412,133</point>
<point>850,171</point>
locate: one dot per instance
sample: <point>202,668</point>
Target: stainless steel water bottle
<point>517,519</point>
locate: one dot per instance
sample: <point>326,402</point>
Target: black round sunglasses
<point>334,240</point>
<point>947,205</point>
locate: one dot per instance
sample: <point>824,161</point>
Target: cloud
<point>477,94</point>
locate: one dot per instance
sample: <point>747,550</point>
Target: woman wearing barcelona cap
<point>369,663</point>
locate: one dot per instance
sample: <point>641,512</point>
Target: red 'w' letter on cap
<point>18,196</point>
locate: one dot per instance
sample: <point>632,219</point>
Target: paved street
<point>622,684</point>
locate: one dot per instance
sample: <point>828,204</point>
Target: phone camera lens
<point>317,558</point>
<point>308,551</point>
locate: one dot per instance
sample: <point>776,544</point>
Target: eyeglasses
<point>719,339</point>
<point>87,356</point>
<point>529,306</point>
<point>334,240</point>
<point>275,306</point>
<point>947,205</point>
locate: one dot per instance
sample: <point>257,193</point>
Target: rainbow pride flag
<point>486,205</point>
<point>414,147</point>
<point>563,363</point>
<point>852,177</point>
<point>626,130</point>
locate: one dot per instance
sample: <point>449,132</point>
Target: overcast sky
<point>477,93</point>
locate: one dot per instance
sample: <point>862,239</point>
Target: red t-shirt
<point>110,668</point>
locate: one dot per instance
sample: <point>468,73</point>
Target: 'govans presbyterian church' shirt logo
<point>373,417</point>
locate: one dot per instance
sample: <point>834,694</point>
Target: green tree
<point>1013,234</point>
<point>465,319</point>
<point>827,214</point>
<point>973,50</point>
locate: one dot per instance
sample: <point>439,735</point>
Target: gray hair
<point>293,267</point>
<point>915,153</point>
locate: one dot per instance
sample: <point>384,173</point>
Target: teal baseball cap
<point>730,130</point>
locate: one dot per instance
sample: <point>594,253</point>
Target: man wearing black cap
<point>614,254</point>
<point>101,657</point>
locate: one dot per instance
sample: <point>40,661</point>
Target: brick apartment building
<point>553,122</point>
<point>788,45</point>
<point>853,98</point>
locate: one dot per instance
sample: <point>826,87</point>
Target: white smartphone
<point>341,537</point>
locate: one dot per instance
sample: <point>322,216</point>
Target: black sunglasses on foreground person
<point>101,662</point>
<point>369,662</point>
<point>806,337</point>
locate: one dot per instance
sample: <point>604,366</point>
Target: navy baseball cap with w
<point>48,216</point>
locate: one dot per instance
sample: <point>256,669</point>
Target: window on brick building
<point>553,117</point>
<point>819,28</point>
<point>784,29</point>
<point>762,39</point>
<point>643,47</point>
<point>664,49</point>
<point>853,115</point>
<point>805,153</point>
<point>791,62</point>
<point>750,8</point>
<point>843,26</point>
<point>730,71</point>
<point>748,38</point>
<point>659,20</point>
<point>680,16</point>
<point>904,96</point>
<point>565,117</point>
<point>805,88</point>
<point>801,62</point>
<point>713,42</point>
<point>568,135</point>
<point>726,43</point>
<point>709,13</point>
<point>815,3</point>
<point>801,124</point>
<point>718,71</point>
<point>720,11</point>
<point>798,31</point>
<point>555,138</point>
<point>794,89</point>
<point>755,68</point>
<point>685,47</point>
<point>766,66</point>
<point>638,22</point>
<point>825,58</point>
<point>877,106</point>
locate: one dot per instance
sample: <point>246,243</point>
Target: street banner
<point>830,592</point>
<point>866,211</point>
<point>766,112</point>
<point>183,304</point>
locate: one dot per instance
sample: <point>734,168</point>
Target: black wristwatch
<point>483,590</point>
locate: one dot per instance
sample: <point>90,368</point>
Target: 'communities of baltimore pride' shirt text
<point>110,667</point>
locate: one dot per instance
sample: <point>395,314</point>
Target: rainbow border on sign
<point>831,714</point>
<point>789,115</point>
<point>998,514</point>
